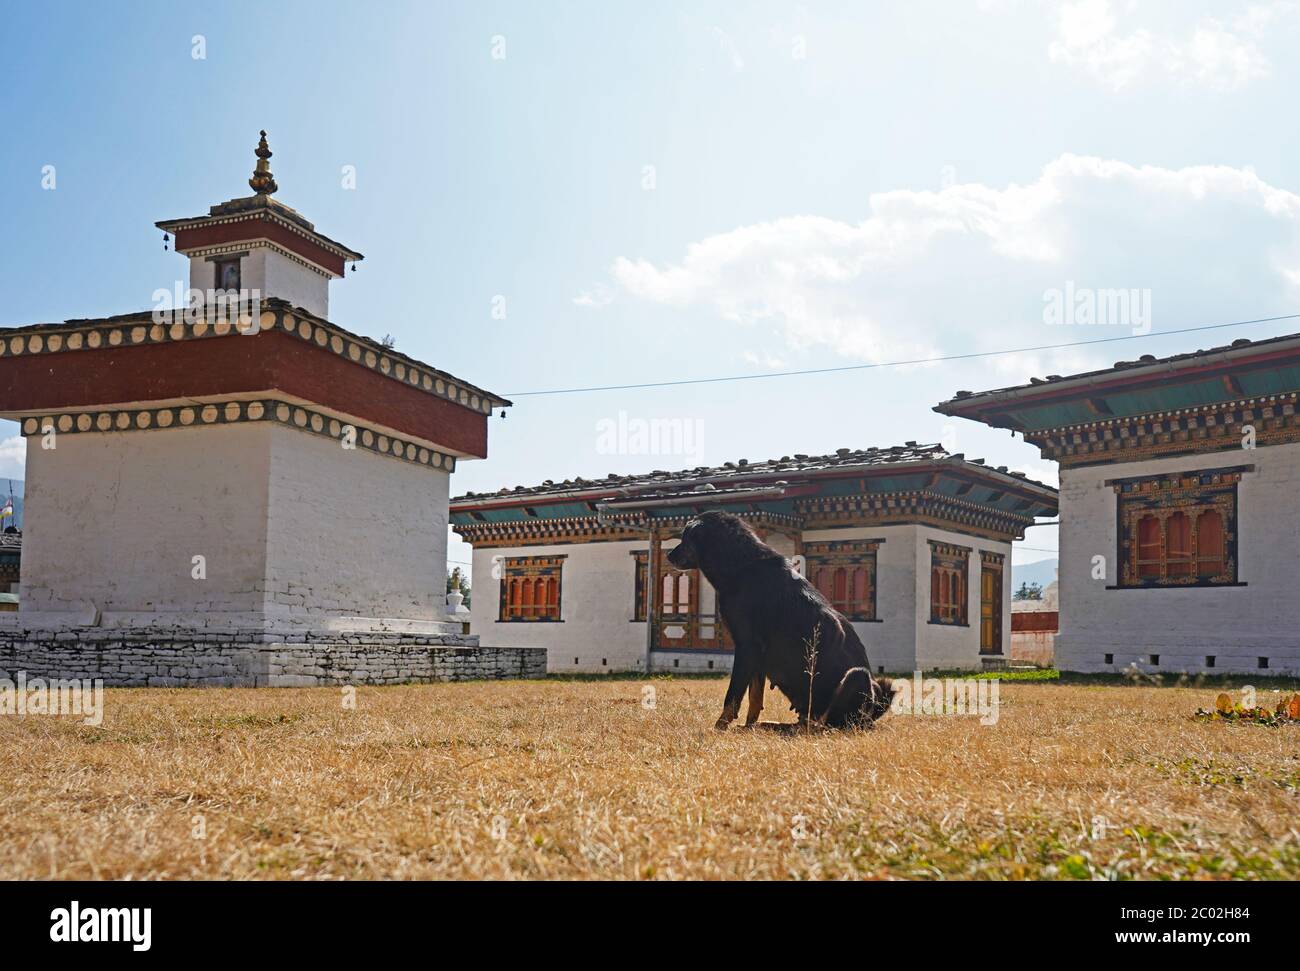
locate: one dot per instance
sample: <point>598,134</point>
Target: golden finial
<point>263,182</point>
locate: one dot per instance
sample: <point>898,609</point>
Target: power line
<point>889,364</point>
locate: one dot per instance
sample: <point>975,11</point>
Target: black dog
<point>776,619</point>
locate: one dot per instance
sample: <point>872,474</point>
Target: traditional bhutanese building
<point>1179,506</point>
<point>910,543</point>
<point>236,489</point>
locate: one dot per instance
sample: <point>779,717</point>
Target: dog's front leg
<point>756,684</point>
<point>740,676</point>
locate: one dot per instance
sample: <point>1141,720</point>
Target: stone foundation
<point>233,659</point>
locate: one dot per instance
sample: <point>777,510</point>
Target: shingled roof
<point>735,476</point>
<point>1238,348</point>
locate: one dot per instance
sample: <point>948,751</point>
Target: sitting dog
<point>776,619</point>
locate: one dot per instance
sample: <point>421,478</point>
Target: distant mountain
<point>1041,572</point>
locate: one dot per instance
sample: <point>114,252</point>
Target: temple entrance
<point>686,617</point>
<point>991,608</point>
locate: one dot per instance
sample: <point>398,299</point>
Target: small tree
<point>1029,591</point>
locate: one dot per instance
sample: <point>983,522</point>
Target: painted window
<point>530,588</point>
<point>844,572</point>
<point>1178,529</point>
<point>949,569</point>
<point>226,274</point>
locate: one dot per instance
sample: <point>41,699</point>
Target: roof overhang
<point>260,218</point>
<point>759,487</point>
<point>1138,388</point>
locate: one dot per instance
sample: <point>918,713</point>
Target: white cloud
<point>599,296</point>
<point>13,457</point>
<point>966,268</point>
<point>1210,53</point>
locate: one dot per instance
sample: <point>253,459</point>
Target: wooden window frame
<point>1175,499</point>
<point>857,557</point>
<point>950,573</point>
<point>641,585</point>
<point>520,578</point>
<point>224,261</point>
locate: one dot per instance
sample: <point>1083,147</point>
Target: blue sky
<point>667,191</point>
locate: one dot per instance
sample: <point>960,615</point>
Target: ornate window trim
<point>641,585</point>
<point>531,590</point>
<point>844,572</point>
<point>1181,556</point>
<point>949,584</point>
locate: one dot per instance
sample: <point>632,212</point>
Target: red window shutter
<point>1148,551</point>
<point>1179,542</point>
<point>1210,543</point>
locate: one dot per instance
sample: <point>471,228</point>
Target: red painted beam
<point>262,228</point>
<point>269,361</point>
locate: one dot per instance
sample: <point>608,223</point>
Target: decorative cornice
<point>545,532</point>
<point>630,526</point>
<point>141,329</point>
<point>236,412</point>
<point>245,246</point>
<point>1208,428</point>
<point>924,506</point>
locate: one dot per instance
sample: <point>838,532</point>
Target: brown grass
<point>574,779</point>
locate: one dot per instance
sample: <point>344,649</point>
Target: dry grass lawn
<point>577,779</point>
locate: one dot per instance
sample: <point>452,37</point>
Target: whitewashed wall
<point>352,533</point>
<point>114,519</point>
<point>891,641</point>
<point>292,529</point>
<point>1236,624</point>
<point>596,634</point>
<point>945,647</point>
<point>272,274</point>
<point>596,607</point>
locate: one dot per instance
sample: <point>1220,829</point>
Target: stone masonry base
<point>231,659</point>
